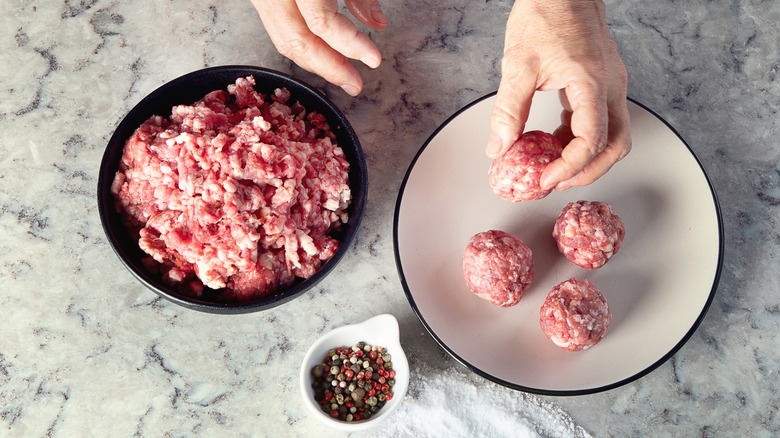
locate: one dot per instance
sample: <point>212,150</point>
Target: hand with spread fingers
<point>564,45</point>
<point>317,37</point>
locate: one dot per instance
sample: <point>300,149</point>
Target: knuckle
<point>502,115</point>
<point>320,25</point>
<point>294,47</point>
<point>625,150</point>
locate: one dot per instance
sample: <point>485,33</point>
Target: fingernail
<point>369,61</point>
<point>350,89</point>
<point>378,15</point>
<point>561,186</point>
<point>494,146</point>
<point>547,182</point>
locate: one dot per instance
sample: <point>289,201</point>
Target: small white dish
<point>381,330</point>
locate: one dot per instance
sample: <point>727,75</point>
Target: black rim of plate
<point>543,391</point>
<point>160,102</point>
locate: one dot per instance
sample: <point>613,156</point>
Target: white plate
<point>658,286</point>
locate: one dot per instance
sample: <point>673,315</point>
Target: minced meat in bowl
<point>232,189</point>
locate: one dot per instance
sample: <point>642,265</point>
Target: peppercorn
<point>353,383</point>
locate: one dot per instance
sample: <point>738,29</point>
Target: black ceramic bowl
<point>188,89</point>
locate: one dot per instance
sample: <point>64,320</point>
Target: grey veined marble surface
<point>85,350</point>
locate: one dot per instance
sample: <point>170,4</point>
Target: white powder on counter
<point>453,405</point>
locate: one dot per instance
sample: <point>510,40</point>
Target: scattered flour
<point>452,405</point>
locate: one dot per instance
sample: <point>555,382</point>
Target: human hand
<point>564,45</point>
<point>314,35</point>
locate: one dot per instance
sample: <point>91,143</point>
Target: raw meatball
<point>515,175</point>
<point>498,267</point>
<point>588,233</point>
<point>575,315</point>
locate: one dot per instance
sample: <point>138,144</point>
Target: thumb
<point>510,110</point>
<point>368,12</point>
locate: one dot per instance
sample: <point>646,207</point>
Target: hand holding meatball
<point>564,45</point>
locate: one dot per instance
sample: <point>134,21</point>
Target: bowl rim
<point>381,329</point>
<point>191,85</point>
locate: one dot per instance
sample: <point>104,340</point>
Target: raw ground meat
<point>498,267</point>
<point>239,190</point>
<point>589,233</point>
<point>575,315</point>
<point>515,175</point>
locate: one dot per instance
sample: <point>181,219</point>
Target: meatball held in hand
<point>575,315</point>
<point>498,267</point>
<point>515,175</point>
<point>589,233</point>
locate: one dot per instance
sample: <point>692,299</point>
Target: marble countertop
<point>85,350</point>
